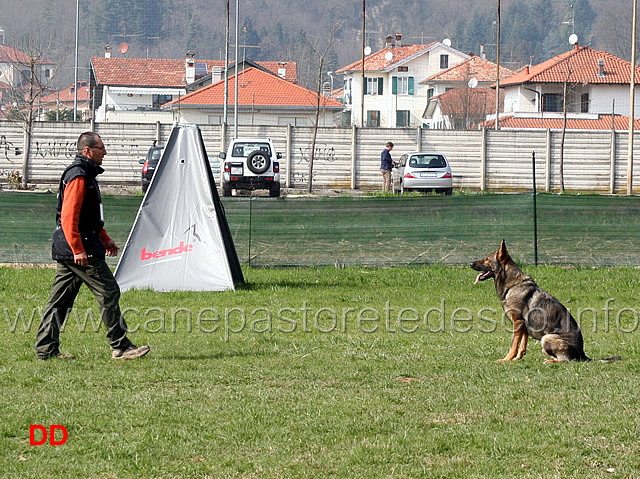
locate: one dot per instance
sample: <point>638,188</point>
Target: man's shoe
<point>63,356</point>
<point>132,352</point>
<point>57,355</point>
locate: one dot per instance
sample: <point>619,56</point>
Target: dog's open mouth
<point>483,276</point>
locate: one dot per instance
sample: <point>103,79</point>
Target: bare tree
<point>567,89</point>
<point>33,76</point>
<point>467,107</point>
<point>320,98</point>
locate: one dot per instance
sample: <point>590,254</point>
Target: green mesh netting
<point>376,231</point>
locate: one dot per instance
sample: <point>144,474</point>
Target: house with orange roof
<point>12,63</point>
<point>523,121</point>
<point>394,95</point>
<point>460,97</point>
<point>66,98</point>
<point>13,82</point>
<point>263,99</point>
<point>134,89</point>
<point>597,85</point>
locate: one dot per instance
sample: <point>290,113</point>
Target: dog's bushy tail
<point>611,359</point>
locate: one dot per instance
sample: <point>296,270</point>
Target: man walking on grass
<point>80,244</point>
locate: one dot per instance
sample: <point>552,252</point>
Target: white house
<point>460,96</point>
<point>134,89</point>
<point>264,98</point>
<point>597,83</point>
<point>15,73</point>
<point>394,95</point>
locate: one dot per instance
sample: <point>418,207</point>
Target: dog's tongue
<point>477,279</point>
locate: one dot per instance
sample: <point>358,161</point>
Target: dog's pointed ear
<point>503,254</point>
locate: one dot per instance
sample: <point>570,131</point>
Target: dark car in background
<point>150,163</point>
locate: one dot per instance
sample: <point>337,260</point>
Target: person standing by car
<point>386,164</point>
<point>80,244</point>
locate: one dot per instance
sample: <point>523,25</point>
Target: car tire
<point>226,190</point>
<point>274,191</point>
<point>448,191</point>
<point>258,162</point>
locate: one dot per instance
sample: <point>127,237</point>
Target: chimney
<point>388,41</point>
<point>601,67</point>
<point>483,54</point>
<point>1,36</point>
<point>526,69</point>
<point>398,39</point>
<point>282,69</point>
<point>216,74</point>
<point>107,51</point>
<point>190,67</point>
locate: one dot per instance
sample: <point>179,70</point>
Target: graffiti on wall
<point>55,149</point>
<point>301,170</point>
<point>8,150</point>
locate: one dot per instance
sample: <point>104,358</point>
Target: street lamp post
<point>632,90</point>
<point>75,69</point>
<point>235,109</point>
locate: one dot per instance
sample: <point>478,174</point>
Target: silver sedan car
<point>423,171</point>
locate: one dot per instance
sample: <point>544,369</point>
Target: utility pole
<point>364,4</point>
<point>75,69</point>
<point>498,74</point>
<point>235,110</point>
<point>226,71</point>
<point>632,90</point>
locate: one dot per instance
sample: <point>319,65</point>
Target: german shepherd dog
<point>533,312</point>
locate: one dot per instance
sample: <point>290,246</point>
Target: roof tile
<point>474,67</point>
<point>151,72</point>
<point>67,94</point>
<point>378,61</point>
<point>581,66</point>
<point>256,87</point>
<point>602,123</point>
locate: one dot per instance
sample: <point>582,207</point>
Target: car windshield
<point>156,153</point>
<point>245,149</point>
<point>427,161</point>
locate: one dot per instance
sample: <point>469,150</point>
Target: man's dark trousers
<point>69,277</point>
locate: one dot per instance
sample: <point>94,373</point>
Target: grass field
<point>293,390</point>
<point>384,230</point>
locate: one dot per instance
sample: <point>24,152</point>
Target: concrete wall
<point>349,158</point>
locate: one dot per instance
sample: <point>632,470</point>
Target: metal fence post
<point>535,210</point>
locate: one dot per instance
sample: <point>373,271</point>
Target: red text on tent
<point>161,253</point>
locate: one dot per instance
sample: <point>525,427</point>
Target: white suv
<point>251,164</point>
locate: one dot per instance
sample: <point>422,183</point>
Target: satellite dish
<point>123,47</point>
<point>367,50</point>
<point>573,39</point>
<point>446,42</point>
<point>388,56</point>
<point>473,82</point>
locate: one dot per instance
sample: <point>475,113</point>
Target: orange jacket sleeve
<point>70,215</point>
<point>104,237</point>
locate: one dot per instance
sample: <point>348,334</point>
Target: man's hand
<point>112,248</point>
<point>81,259</point>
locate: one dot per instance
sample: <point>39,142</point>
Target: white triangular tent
<point>180,240</point>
